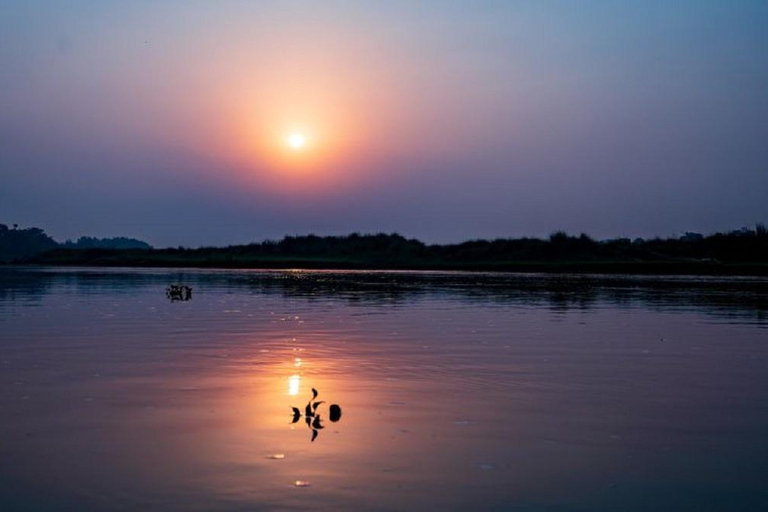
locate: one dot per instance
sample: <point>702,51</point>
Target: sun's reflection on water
<point>294,384</point>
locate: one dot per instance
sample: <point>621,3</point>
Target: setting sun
<point>296,141</point>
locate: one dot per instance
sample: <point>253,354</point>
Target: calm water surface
<point>457,391</point>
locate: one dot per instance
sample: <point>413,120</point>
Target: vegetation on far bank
<point>738,252</point>
<point>16,243</point>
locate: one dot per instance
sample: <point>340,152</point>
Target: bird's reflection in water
<point>312,416</point>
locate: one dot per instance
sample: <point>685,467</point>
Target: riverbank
<point>161,259</point>
<point>735,253</point>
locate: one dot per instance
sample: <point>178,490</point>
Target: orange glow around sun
<point>306,146</point>
<point>304,127</point>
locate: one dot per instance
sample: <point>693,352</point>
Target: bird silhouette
<point>311,416</point>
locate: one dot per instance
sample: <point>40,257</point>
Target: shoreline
<point>555,268</point>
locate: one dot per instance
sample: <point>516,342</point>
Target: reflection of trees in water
<point>728,297</point>
<point>16,285</point>
<point>26,281</point>
<point>719,296</point>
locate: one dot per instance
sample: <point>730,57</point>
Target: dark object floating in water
<point>179,292</point>
<point>312,418</point>
<point>334,413</point>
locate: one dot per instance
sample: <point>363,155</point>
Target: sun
<point>296,141</point>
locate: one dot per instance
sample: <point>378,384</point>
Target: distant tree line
<point>119,242</point>
<point>560,251</point>
<point>18,243</point>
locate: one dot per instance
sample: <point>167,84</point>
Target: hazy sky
<point>442,120</point>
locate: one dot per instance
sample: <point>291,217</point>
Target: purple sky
<point>444,121</point>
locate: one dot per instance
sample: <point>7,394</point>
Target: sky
<point>441,120</point>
